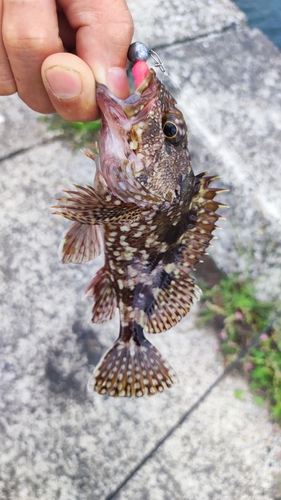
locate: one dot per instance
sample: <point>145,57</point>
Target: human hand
<point>35,38</point>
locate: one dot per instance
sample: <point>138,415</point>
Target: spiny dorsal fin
<point>203,194</point>
<point>104,295</point>
<point>80,244</point>
<point>177,291</point>
<point>203,218</point>
<point>129,369</point>
<point>86,206</point>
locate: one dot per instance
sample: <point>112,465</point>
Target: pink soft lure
<point>140,71</point>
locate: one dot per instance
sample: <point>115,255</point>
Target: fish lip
<point>134,107</point>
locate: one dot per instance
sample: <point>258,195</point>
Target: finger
<point>104,32</point>
<point>30,34</point>
<point>7,82</point>
<point>70,85</point>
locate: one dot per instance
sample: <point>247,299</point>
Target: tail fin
<point>129,369</point>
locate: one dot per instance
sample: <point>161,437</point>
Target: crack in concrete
<point>231,28</point>
<point>30,148</point>
<point>184,417</point>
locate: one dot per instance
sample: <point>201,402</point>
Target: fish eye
<point>170,130</point>
<point>174,128</point>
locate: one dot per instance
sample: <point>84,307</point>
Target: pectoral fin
<point>86,206</point>
<point>81,244</point>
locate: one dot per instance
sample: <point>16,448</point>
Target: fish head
<point>143,143</point>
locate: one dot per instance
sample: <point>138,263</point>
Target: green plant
<point>81,134</point>
<point>238,316</point>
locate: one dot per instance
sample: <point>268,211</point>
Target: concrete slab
<point>56,440</point>
<point>19,127</point>
<point>59,442</point>
<point>164,22</point>
<point>53,433</point>
<point>212,454</point>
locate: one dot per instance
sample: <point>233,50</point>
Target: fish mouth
<point>135,107</point>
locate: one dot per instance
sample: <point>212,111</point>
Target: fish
<point>153,219</point>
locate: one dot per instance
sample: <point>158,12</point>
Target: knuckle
<point>16,42</point>
<point>34,45</point>
<point>124,31</point>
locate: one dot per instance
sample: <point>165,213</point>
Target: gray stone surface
<point>211,455</point>
<point>19,129</point>
<point>163,22</point>
<point>58,442</point>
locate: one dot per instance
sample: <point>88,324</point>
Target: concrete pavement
<point>57,441</point>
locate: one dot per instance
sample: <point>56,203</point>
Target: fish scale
<point>154,219</point>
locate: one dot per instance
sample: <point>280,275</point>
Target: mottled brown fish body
<point>154,219</point>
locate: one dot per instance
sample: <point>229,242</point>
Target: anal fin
<point>174,297</point>
<point>129,369</point>
<point>104,295</point>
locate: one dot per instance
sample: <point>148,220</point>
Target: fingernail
<point>117,82</point>
<point>63,82</point>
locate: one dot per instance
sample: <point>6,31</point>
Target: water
<point>265,15</point>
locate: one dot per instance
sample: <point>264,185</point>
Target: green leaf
<point>259,400</point>
<point>238,393</point>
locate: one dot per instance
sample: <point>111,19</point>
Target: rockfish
<point>153,218</point>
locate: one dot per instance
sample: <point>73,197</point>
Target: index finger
<point>7,82</point>
<point>30,34</point>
